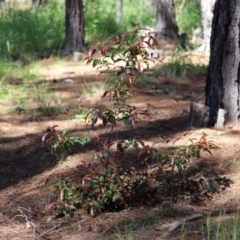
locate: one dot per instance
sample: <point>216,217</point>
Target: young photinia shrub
<point>124,172</point>
<point>63,144</point>
<point>123,58</point>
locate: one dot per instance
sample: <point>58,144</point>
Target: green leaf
<point>96,62</point>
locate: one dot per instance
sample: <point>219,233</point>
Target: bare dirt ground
<point>22,184</point>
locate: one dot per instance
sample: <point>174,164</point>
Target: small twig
<point>18,215</point>
<point>179,223</point>
<point>69,226</point>
<point>28,221</point>
<point>5,217</point>
<point>30,213</point>
<point>50,230</point>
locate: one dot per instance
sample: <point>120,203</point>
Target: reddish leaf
<point>173,163</point>
<point>116,40</point>
<point>140,67</point>
<point>50,206</point>
<point>122,80</point>
<point>151,33</point>
<point>65,206</point>
<point>144,153</point>
<point>44,137</point>
<point>131,80</point>
<point>91,52</point>
<point>141,142</point>
<point>154,41</point>
<point>112,120</point>
<point>191,140</point>
<point>105,93</point>
<point>89,60</point>
<point>125,34</point>
<point>148,59</point>
<point>207,150</point>
<point>57,192</point>
<point>104,49</point>
<point>141,39</point>
<point>47,180</point>
<point>176,140</point>
<point>104,121</point>
<point>103,189</point>
<point>120,147</point>
<point>58,136</point>
<point>135,24</point>
<point>132,120</point>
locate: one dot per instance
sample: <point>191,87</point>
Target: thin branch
<point>50,230</point>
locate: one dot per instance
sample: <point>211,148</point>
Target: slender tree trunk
<point>36,3</point>
<point>119,8</point>
<point>166,26</point>
<point>74,27</point>
<point>206,8</point>
<point>149,4</point>
<point>3,5</point>
<point>222,85</point>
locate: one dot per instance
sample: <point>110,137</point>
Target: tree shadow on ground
<point>20,156</point>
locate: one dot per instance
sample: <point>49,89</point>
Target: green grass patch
<point>179,66</point>
<point>188,15</point>
<point>31,32</point>
<point>100,18</point>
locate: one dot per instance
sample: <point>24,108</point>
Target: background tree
<point>166,26</point>
<point>3,5</point>
<point>149,3</point>
<point>206,8</point>
<point>119,9</point>
<point>222,85</point>
<point>74,27</point>
<point>37,3</point>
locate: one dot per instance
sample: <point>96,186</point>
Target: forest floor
<point>22,185</point>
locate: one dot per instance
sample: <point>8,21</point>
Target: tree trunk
<point>3,5</point>
<point>222,85</point>
<point>149,4</point>
<point>119,8</point>
<point>36,3</point>
<point>206,8</point>
<point>74,27</point>
<point>166,27</point>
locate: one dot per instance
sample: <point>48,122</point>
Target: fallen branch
<point>179,223</point>
<point>48,231</point>
<point>60,229</point>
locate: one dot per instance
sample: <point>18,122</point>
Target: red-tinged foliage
<point>91,52</point>
<point>104,50</point>
<point>144,153</point>
<point>126,172</point>
<point>135,24</point>
<point>50,134</point>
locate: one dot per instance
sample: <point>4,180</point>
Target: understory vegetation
<point>125,172</point>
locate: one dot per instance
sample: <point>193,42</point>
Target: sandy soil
<point>22,189</point>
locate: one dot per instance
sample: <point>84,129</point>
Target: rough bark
<point>166,26</point>
<point>74,27</point>
<point>119,8</point>
<point>222,85</point>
